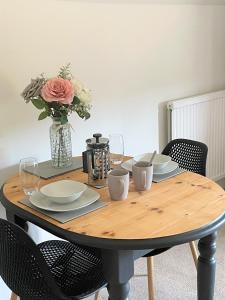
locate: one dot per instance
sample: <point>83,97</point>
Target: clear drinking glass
<point>29,175</point>
<point>116,146</point>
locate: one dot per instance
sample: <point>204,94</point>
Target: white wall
<point>132,54</point>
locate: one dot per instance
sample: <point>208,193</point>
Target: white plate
<point>171,166</point>
<point>87,198</point>
<point>63,191</point>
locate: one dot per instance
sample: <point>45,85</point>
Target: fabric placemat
<point>161,177</point>
<point>45,169</point>
<point>67,216</point>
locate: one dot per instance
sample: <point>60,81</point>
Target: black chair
<point>52,270</point>
<point>190,155</point>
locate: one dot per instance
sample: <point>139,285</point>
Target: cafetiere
<point>96,160</point>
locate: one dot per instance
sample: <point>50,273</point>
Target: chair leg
<point>150,268</point>
<point>97,296</point>
<point>194,252</point>
<point>13,297</point>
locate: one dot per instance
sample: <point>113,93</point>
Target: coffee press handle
<point>90,165</point>
<point>87,163</point>
<point>97,136</point>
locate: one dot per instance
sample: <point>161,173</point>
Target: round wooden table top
<point>178,205</point>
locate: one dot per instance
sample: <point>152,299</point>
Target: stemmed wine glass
<point>116,145</point>
<point>29,176</point>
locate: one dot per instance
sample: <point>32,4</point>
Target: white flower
<point>81,92</point>
<point>78,86</point>
<point>85,96</point>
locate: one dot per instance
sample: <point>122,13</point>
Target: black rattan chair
<point>52,270</point>
<point>190,155</point>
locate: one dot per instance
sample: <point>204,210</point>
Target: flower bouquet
<point>57,98</point>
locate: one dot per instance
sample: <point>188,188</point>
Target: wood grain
<point>150,271</point>
<point>180,204</point>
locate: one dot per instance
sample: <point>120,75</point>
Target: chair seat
<point>76,270</point>
<point>52,270</point>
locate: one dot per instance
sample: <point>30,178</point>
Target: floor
<point>175,275</point>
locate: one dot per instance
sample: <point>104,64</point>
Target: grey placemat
<point>64,217</point>
<point>45,169</point>
<point>158,178</point>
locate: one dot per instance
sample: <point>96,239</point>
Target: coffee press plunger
<point>96,160</point>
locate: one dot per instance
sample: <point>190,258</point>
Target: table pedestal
<point>118,268</point>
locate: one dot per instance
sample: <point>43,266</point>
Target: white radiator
<point>202,118</point>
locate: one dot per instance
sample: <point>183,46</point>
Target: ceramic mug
<point>118,184</point>
<point>142,175</point>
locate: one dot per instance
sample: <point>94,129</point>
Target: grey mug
<point>118,184</point>
<point>142,175</point>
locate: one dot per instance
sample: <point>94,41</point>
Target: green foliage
<point>63,120</point>
<point>56,109</point>
<point>83,111</point>
<point>43,115</point>
<point>87,116</point>
<point>38,103</point>
<point>76,100</point>
<point>65,72</point>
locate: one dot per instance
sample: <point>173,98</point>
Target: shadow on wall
<point>7,172</point>
<point>163,125</point>
<point>10,106</point>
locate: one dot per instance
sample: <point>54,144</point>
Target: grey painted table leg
<point>206,267</point>
<point>118,268</point>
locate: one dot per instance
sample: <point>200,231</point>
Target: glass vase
<point>61,145</point>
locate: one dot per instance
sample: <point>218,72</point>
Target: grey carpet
<point>175,275</point>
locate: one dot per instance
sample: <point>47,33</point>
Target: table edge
<point>107,243</point>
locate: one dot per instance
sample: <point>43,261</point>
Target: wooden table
<point>181,209</point>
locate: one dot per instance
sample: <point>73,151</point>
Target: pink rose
<point>58,89</point>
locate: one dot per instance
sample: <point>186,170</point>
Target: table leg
<point>118,268</point>
<point>206,267</point>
